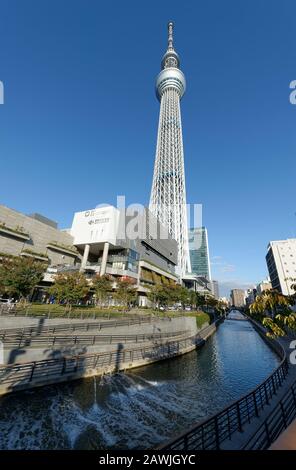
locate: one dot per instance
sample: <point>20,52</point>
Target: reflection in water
<point>143,407</point>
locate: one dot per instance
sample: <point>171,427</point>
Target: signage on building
<point>95,226</point>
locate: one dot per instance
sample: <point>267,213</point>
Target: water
<point>144,407</point>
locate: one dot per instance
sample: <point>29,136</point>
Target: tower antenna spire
<point>170,36</point>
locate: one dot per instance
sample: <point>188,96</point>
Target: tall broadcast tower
<point>168,194</point>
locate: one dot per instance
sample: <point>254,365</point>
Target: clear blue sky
<point>80,116</point>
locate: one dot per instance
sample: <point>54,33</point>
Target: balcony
<point>110,269</point>
<point>35,255</point>
<point>14,232</point>
<point>55,246</point>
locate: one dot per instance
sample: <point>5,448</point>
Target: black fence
<point>210,433</point>
<point>80,326</point>
<point>20,376</point>
<point>277,421</point>
<point>14,310</point>
<point>23,339</point>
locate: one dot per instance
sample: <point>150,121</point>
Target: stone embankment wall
<point>33,374</point>
<point>186,326</point>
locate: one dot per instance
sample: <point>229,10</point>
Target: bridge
<point>254,421</point>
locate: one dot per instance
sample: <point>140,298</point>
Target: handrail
<point>211,432</point>
<point>18,376</point>
<point>23,340</point>
<point>275,423</point>
<point>13,310</point>
<point>82,325</point>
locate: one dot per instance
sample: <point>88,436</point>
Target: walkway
<point>255,420</point>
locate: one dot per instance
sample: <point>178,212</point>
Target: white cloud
<point>227,268</point>
<point>221,265</point>
<point>226,286</point>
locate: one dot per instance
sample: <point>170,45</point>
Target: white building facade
<point>125,246</point>
<point>263,286</point>
<point>281,264</point>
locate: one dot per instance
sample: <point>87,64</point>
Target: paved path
<point>287,440</point>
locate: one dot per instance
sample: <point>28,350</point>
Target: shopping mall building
<point>104,240</point>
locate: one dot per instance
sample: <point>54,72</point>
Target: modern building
<point>263,286</point>
<point>199,252</point>
<point>281,264</point>
<point>37,237</point>
<point>215,289</point>
<point>237,297</point>
<point>198,284</point>
<point>131,247</point>
<point>101,241</point>
<point>168,194</point>
<point>250,296</point>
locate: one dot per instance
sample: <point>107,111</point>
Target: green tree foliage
<point>125,292</point>
<point>70,288</point>
<point>270,302</point>
<point>19,275</point>
<point>273,310</point>
<point>165,295</point>
<point>102,285</point>
<point>158,295</point>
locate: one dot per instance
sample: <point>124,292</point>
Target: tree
<point>272,309</point>
<point>19,275</point>
<point>293,286</point>
<point>125,292</point>
<point>102,285</point>
<point>271,302</point>
<point>163,295</point>
<point>158,295</point>
<point>70,288</point>
<point>200,300</point>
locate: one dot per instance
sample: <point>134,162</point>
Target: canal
<point>144,407</point>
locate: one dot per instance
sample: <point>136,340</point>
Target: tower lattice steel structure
<point>168,194</point>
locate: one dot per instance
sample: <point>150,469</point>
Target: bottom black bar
<point>141,459</point>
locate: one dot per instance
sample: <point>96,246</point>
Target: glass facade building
<point>199,252</point>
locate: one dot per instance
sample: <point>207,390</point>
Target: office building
<point>130,247</point>
<point>237,297</point>
<point>263,286</point>
<point>281,264</point>
<point>199,252</point>
<point>215,289</point>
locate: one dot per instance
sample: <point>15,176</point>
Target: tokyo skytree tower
<point>168,194</point>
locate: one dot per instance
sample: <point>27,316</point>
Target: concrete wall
<point>40,235</point>
<point>28,354</point>
<point>155,353</point>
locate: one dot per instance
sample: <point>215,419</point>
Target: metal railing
<point>26,340</point>
<point>14,310</point>
<point>81,326</point>
<point>210,433</point>
<point>277,421</point>
<point>19,376</point>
